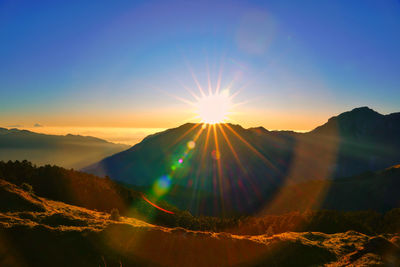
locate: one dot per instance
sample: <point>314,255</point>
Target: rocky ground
<point>39,232</point>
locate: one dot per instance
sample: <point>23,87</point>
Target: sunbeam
<point>261,156</point>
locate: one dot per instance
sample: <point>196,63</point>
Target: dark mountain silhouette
<point>366,140</point>
<point>70,151</point>
<point>253,164</point>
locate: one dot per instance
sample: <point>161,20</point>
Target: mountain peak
<point>358,114</point>
<point>259,130</point>
<point>363,110</point>
<point>358,119</point>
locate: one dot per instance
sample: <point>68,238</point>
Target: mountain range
<point>228,168</point>
<point>69,151</point>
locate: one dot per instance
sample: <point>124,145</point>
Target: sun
<point>214,108</point>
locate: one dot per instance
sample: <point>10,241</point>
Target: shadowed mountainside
<point>376,191</point>
<point>69,151</point>
<point>244,168</point>
<point>43,232</point>
<point>367,140</point>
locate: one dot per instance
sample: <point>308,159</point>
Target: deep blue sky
<point>119,63</point>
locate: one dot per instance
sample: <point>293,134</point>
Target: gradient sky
<point>123,63</point>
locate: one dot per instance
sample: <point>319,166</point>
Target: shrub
<point>114,215</point>
<point>27,187</point>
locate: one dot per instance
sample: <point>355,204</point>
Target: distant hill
<point>70,151</point>
<point>252,164</point>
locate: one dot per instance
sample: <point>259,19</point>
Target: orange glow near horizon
<point>130,130</point>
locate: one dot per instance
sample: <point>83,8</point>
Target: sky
<point>128,64</point>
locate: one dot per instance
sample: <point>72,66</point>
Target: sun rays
<point>215,162</point>
<point>209,148</point>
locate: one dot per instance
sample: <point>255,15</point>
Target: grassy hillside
<point>102,194</point>
<point>41,232</point>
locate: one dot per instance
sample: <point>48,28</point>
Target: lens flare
<point>162,185</point>
<point>191,144</point>
<point>156,206</point>
<point>215,155</point>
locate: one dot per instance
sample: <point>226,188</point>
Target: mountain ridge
<point>84,137</point>
<point>256,161</point>
<point>71,151</point>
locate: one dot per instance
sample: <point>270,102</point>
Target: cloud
<point>37,125</point>
<point>14,126</point>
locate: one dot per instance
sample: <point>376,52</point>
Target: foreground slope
<point>38,232</point>
<point>69,151</point>
<point>302,207</point>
